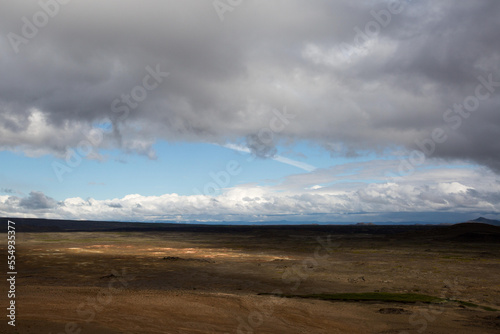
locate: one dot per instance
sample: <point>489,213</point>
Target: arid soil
<point>210,282</point>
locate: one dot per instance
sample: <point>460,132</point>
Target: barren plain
<point>338,279</point>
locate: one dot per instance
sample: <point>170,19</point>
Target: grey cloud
<point>261,146</point>
<point>225,77</point>
<point>37,201</point>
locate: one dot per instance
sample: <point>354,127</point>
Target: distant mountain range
<point>485,221</point>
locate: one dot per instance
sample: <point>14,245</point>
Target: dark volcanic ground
<point>207,279</point>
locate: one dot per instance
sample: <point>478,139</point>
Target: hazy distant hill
<point>485,221</point>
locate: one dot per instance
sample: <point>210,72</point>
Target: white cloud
<point>440,189</point>
<point>299,164</point>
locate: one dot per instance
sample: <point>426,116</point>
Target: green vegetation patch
<point>368,296</point>
<point>381,297</point>
<point>468,304</point>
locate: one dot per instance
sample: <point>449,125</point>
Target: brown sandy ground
<point>180,282</point>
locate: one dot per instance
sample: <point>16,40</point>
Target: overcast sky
<point>250,110</point>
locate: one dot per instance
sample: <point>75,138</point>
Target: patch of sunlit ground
<point>140,251</point>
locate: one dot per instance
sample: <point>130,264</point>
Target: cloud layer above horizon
<point>324,195</point>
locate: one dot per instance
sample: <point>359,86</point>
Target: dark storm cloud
<point>225,78</point>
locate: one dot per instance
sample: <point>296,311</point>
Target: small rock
<point>393,310</point>
<point>107,276</point>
